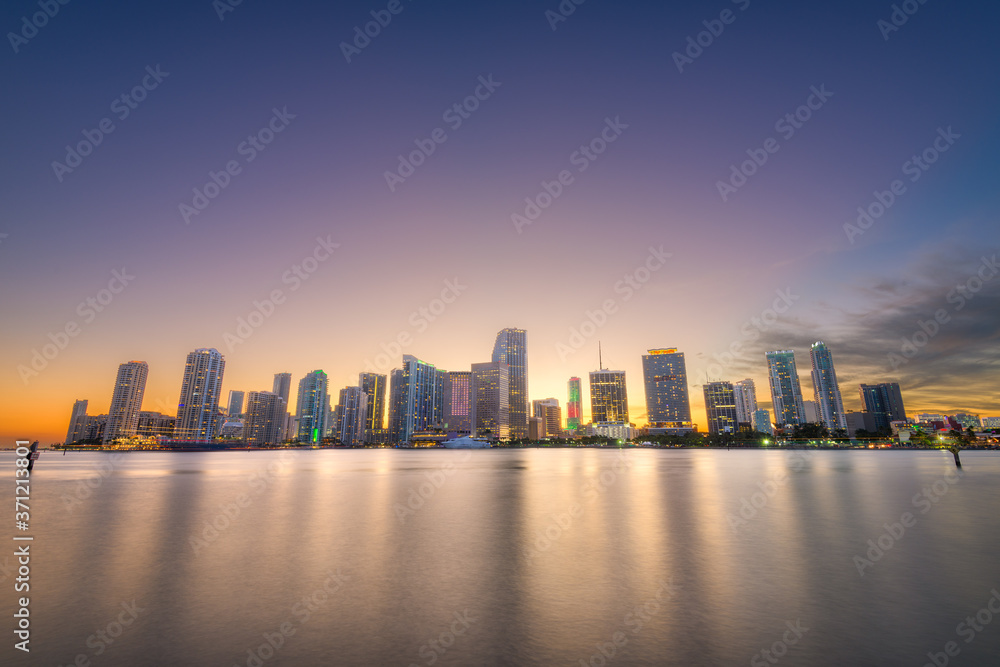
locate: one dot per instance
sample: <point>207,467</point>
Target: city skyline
<point>819,244</point>
<point>381,332</point>
<point>425,397</point>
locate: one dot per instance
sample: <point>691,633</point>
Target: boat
<point>467,442</point>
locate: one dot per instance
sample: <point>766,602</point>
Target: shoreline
<point>244,450</point>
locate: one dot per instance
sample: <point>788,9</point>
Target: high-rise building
<point>416,398</point>
<point>826,388</point>
<point>282,386</point>
<point>235,406</point>
<point>458,402</point>
<point>573,405</point>
<point>264,424</point>
<point>201,389</point>
<point>746,401</point>
<point>77,422</point>
<point>893,401</point>
<point>665,377</point>
<point>397,404</point>
<point>490,395</point>
<point>153,424</point>
<point>720,406</point>
<point>548,411</point>
<point>762,422</point>
<point>511,348</point>
<point>885,401</point>
<point>786,392</point>
<point>608,397</point>
<point>313,408</point>
<point>874,403</point>
<point>373,384</point>
<point>810,412</point>
<point>991,422</point>
<point>126,401</point>
<point>352,409</point>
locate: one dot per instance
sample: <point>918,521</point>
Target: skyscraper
<point>885,401</point>
<point>720,406</point>
<point>810,412</point>
<point>416,398</point>
<point>786,392</point>
<point>77,422</point>
<point>551,415</point>
<point>608,397</point>
<point>126,401</point>
<point>282,386</point>
<point>201,389</point>
<point>490,396</point>
<point>352,409</point>
<point>313,407</point>
<point>458,402</point>
<point>235,407</point>
<point>511,348</point>
<point>746,401</point>
<point>264,424</point>
<point>665,376</point>
<point>573,412</point>
<point>826,388</point>
<point>762,422</point>
<point>373,384</point>
<point>397,404</point>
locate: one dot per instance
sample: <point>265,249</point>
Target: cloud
<point>933,326</point>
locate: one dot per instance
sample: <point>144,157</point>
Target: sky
<point>623,173</point>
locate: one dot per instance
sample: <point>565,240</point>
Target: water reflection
<point>506,557</point>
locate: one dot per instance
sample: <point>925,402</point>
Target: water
<point>520,557</point>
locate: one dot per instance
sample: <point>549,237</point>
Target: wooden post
<point>955,450</point>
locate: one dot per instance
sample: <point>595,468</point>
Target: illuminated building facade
<point>264,423</point>
<point>665,377</point>
<point>720,406</point>
<point>826,388</point>
<point>511,348</point>
<point>201,389</point>
<point>416,398</point>
<point>608,397</point>
<point>373,384</point>
<point>551,415</point>
<point>746,401</point>
<point>490,407</point>
<point>313,407</point>
<point>573,405</point>
<point>351,413</point>
<point>458,402</point>
<point>126,401</point>
<point>786,392</point>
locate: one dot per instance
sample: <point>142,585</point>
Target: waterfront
<point>504,557</point>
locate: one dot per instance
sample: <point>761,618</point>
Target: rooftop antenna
<point>600,361</point>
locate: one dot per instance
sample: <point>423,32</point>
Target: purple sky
<point>553,92</point>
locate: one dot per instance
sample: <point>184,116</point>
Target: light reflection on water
<point>535,557</point>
